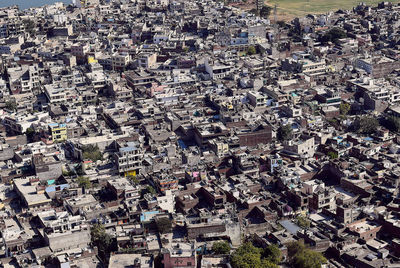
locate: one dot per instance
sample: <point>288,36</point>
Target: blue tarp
<point>54,188</point>
<point>146,216</point>
<point>182,144</point>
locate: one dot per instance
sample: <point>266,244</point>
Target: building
<point>128,159</point>
<point>179,255</point>
<point>58,132</point>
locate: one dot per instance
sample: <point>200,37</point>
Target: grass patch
<point>299,8</point>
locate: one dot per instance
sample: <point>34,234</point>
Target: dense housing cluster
<point>171,133</point>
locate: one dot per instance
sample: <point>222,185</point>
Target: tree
<point>392,123</point>
<point>366,125</point>
<point>294,247</point>
<point>284,132</point>
<point>11,105</point>
<point>221,247</point>
<point>249,256</point>
<point>254,11</point>
<point>29,26</point>
<point>30,133</point>
<point>133,179</point>
<point>84,182</point>
<point>164,225</point>
<point>103,241</point>
<point>302,257</point>
<point>308,259</point>
<point>333,35</point>
<point>281,23</point>
<point>332,155</point>
<point>92,152</point>
<point>251,51</point>
<point>265,12</point>
<point>273,254</point>
<point>150,189</point>
<point>344,108</point>
<point>303,222</point>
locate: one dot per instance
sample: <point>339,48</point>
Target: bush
<point>221,247</point>
<point>150,190</point>
<point>332,155</point>
<point>251,51</point>
<point>344,108</point>
<point>133,179</point>
<point>303,222</point>
<point>84,182</point>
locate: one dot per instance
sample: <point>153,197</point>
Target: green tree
<point>308,259</point>
<point>251,51</point>
<point>344,108</point>
<point>164,225</point>
<point>333,35</point>
<point>284,132</point>
<point>29,26</point>
<point>30,133</point>
<point>254,11</point>
<point>273,254</point>
<point>133,179</point>
<point>281,23</point>
<point>366,125</point>
<point>150,189</point>
<point>302,257</point>
<point>221,247</point>
<point>332,155</point>
<point>303,222</point>
<point>249,256</point>
<point>84,182</point>
<point>92,152</point>
<point>392,123</point>
<point>11,105</point>
<point>294,247</point>
<point>103,241</point>
<point>265,11</point>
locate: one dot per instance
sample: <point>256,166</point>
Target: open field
<point>288,9</point>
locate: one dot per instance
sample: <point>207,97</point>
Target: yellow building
<point>58,132</point>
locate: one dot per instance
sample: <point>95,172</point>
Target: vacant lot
<point>288,9</point>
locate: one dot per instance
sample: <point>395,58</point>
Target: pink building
<point>179,255</point>
<point>155,88</point>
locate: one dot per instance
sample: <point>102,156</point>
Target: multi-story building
<point>179,255</point>
<point>120,61</point>
<point>58,132</point>
<point>147,60</point>
<point>217,70</point>
<point>122,189</point>
<point>129,159</point>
